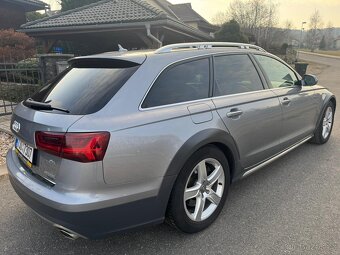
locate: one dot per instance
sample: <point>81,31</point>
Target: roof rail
<point>206,46</point>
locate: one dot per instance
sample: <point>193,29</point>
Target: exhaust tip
<point>67,233</point>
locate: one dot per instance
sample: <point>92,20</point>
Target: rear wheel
<point>200,190</point>
<point>324,130</point>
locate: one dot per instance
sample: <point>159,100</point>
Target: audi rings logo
<point>16,126</point>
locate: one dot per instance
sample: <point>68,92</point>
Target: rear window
<point>84,90</point>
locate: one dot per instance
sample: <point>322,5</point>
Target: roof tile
<point>102,12</point>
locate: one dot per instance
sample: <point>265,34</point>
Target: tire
<point>187,215</point>
<point>320,136</point>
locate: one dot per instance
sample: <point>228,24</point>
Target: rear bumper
<point>89,223</point>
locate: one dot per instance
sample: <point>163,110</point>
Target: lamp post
<point>300,43</point>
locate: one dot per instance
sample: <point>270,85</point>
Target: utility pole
<point>300,43</point>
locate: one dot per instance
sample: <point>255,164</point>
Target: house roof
<point>185,12</point>
<point>29,5</point>
<point>166,5</point>
<point>102,12</point>
<point>111,14</point>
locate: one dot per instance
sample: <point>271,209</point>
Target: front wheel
<point>200,191</point>
<point>324,130</point>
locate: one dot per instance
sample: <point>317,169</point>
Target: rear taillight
<point>82,147</point>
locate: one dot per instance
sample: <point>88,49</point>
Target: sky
<point>295,11</point>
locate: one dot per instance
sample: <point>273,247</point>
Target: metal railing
<point>18,81</point>
<point>206,46</point>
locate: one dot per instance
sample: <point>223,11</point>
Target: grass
<point>325,52</point>
<point>329,52</point>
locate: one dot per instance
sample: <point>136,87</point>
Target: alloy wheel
<point>204,189</point>
<point>327,122</point>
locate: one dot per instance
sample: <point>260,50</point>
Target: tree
<point>287,31</point>
<point>220,18</point>
<point>230,32</point>
<point>322,45</point>
<point>15,46</point>
<point>256,17</point>
<point>32,16</point>
<point>71,4</point>
<point>314,33</point>
<point>329,35</point>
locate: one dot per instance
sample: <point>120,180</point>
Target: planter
<point>301,68</point>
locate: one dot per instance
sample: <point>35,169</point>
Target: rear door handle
<point>234,113</point>
<point>285,101</point>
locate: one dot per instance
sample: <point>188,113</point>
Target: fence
<point>21,79</point>
<point>18,81</point>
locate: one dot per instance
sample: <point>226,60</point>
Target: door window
<point>278,74</point>
<point>184,82</point>
<point>235,74</point>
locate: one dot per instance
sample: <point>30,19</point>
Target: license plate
<point>25,151</point>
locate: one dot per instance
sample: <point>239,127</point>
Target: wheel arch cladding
<point>330,99</point>
<point>219,138</point>
<point>333,100</point>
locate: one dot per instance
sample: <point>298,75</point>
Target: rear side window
<point>184,82</point>
<point>235,74</point>
<point>84,90</point>
<point>278,73</point>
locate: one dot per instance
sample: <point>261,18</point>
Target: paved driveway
<point>289,207</point>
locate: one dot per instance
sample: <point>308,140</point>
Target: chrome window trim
<point>208,55</point>
<point>201,100</point>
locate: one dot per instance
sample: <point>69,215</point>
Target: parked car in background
<point>127,139</point>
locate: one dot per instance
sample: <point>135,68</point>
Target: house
<point>337,43</point>
<point>135,24</point>
<point>295,43</point>
<point>186,14</point>
<point>13,12</point>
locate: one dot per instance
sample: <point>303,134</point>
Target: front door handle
<point>234,113</point>
<point>285,101</point>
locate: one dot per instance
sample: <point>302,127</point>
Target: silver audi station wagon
<point>127,139</point>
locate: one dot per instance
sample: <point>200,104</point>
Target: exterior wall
<point>201,26</point>
<point>193,24</point>
<point>11,16</point>
<point>155,4</point>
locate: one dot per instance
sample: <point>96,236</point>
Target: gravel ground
<point>6,142</point>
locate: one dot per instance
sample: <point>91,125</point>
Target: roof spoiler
<point>91,62</point>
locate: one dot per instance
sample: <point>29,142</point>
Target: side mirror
<point>310,80</point>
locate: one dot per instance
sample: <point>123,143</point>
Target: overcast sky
<point>294,10</point>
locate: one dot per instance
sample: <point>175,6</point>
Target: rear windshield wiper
<point>42,106</point>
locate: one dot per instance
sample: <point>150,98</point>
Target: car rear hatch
<point>25,123</point>
<point>40,124</point>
